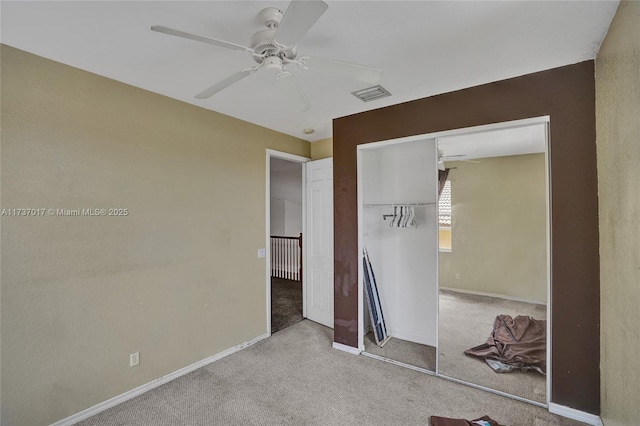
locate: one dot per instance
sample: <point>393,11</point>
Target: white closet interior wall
<point>404,260</point>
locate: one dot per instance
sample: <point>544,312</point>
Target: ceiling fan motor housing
<point>263,46</point>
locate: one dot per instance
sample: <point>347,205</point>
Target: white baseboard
<point>572,413</point>
<point>92,411</point>
<point>345,348</point>
<point>498,296</point>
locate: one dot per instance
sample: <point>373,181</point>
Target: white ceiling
<point>423,47</point>
<point>529,139</point>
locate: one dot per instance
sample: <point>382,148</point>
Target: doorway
<point>284,253</point>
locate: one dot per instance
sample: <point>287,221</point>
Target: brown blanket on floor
<point>444,421</point>
<point>520,342</point>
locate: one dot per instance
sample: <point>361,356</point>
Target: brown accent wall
<point>567,95</point>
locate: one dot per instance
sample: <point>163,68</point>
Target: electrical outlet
<point>134,359</point>
<point>262,253</point>
<point>457,276</point>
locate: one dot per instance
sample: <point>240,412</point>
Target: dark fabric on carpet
<point>520,342</point>
<point>445,421</point>
<point>286,303</point>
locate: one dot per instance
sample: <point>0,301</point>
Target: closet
<point>450,311</point>
<point>398,207</point>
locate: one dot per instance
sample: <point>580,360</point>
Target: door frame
<point>271,153</point>
<point>546,121</point>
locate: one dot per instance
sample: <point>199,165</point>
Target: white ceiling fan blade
<point>371,75</point>
<point>291,89</point>
<point>299,17</point>
<point>209,40</point>
<point>233,78</point>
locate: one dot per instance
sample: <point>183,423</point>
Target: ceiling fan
<point>274,48</point>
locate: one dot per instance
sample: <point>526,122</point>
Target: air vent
<point>371,93</point>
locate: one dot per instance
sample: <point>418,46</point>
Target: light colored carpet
<point>411,353</point>
<point>295,378</point>
<point>466,321</point>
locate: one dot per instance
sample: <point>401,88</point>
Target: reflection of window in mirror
<point>444,217</point>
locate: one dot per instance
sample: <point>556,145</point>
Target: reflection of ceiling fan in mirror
<point>274,48</point>
<point>457,157</point>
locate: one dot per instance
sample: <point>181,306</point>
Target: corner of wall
<point>322,149</point>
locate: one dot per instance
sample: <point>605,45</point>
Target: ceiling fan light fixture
<point>273,64</point>
<point>371,93</point>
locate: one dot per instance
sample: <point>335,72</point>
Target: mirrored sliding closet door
<point>493,260</point>
<point>398,216</point>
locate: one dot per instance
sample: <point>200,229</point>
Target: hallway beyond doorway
<point>286,303</point>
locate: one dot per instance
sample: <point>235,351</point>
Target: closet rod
<point>398,204</point>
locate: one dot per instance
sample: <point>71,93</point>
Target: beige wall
<point>322,149</point>
<point>618,140</point>
<point>498,228</point>
<point>178,279</point>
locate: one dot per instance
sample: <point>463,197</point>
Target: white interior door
<point>319,241</point>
